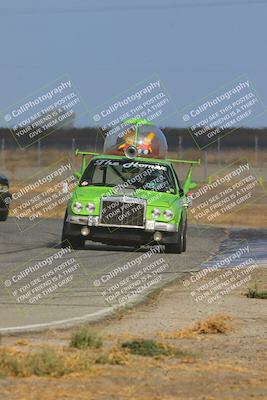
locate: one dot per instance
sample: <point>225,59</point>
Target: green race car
<point>129,196</point>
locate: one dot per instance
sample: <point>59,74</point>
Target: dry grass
<point>214,324</point>
<point>22,342</point>
<point>227,156</point>
<point>86,351</point>
<point>56,362</point>
<point>252,215</point>
<point>29,158</point>
<point>47,362</point>
<point>116,356</point>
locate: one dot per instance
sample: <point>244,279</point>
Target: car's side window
<point>177,179</point>
<point>98,175</point>
<point>112,177</point>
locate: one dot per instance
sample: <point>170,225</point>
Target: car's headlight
<point>77,207</point>
<point>90,207</point>
<point>155,213</point>
<point>168,214</point>
<point>4,188</point>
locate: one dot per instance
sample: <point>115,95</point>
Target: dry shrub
<point>255,293</point>
<point>85,338</point>
<point>22,342</point>
<point>214,324</point>
<point>56,362</point>
<point>151,348</point>
<point>16,363</point>
<point>46,362</point>
<point>115,356</point>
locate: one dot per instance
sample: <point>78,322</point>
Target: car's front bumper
<point>149,226</point>
<point>121,234</point>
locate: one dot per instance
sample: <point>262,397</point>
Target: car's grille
<point>123,212</point>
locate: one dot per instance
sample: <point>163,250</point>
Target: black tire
<point>176,248</point>
<point>76,242</point>
<point>72,241</point>
<point>3,216</point>
<point>184,235</point>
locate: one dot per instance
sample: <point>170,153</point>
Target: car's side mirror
<point>193,185</point>
<point>77,174</point>
<point>65,187</point>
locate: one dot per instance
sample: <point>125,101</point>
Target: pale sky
<point>195,46</point>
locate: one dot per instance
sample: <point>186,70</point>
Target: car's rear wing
<point>188,183</point>
<point>91,153</point>
<point>84,154</point>
<point>184,161</point>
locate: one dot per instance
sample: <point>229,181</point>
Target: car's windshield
<point>129,173</point>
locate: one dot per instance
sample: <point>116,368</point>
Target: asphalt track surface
<point>90,289</point>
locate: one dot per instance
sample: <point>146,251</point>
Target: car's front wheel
<point>72,241</point>
<point>180,240</point>
<point>3,215</point>
<point>76,242</point>
<point>184,235</point>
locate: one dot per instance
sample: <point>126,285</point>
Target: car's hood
<point>95,193</point>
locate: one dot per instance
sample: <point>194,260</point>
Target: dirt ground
<point>231,365</point>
